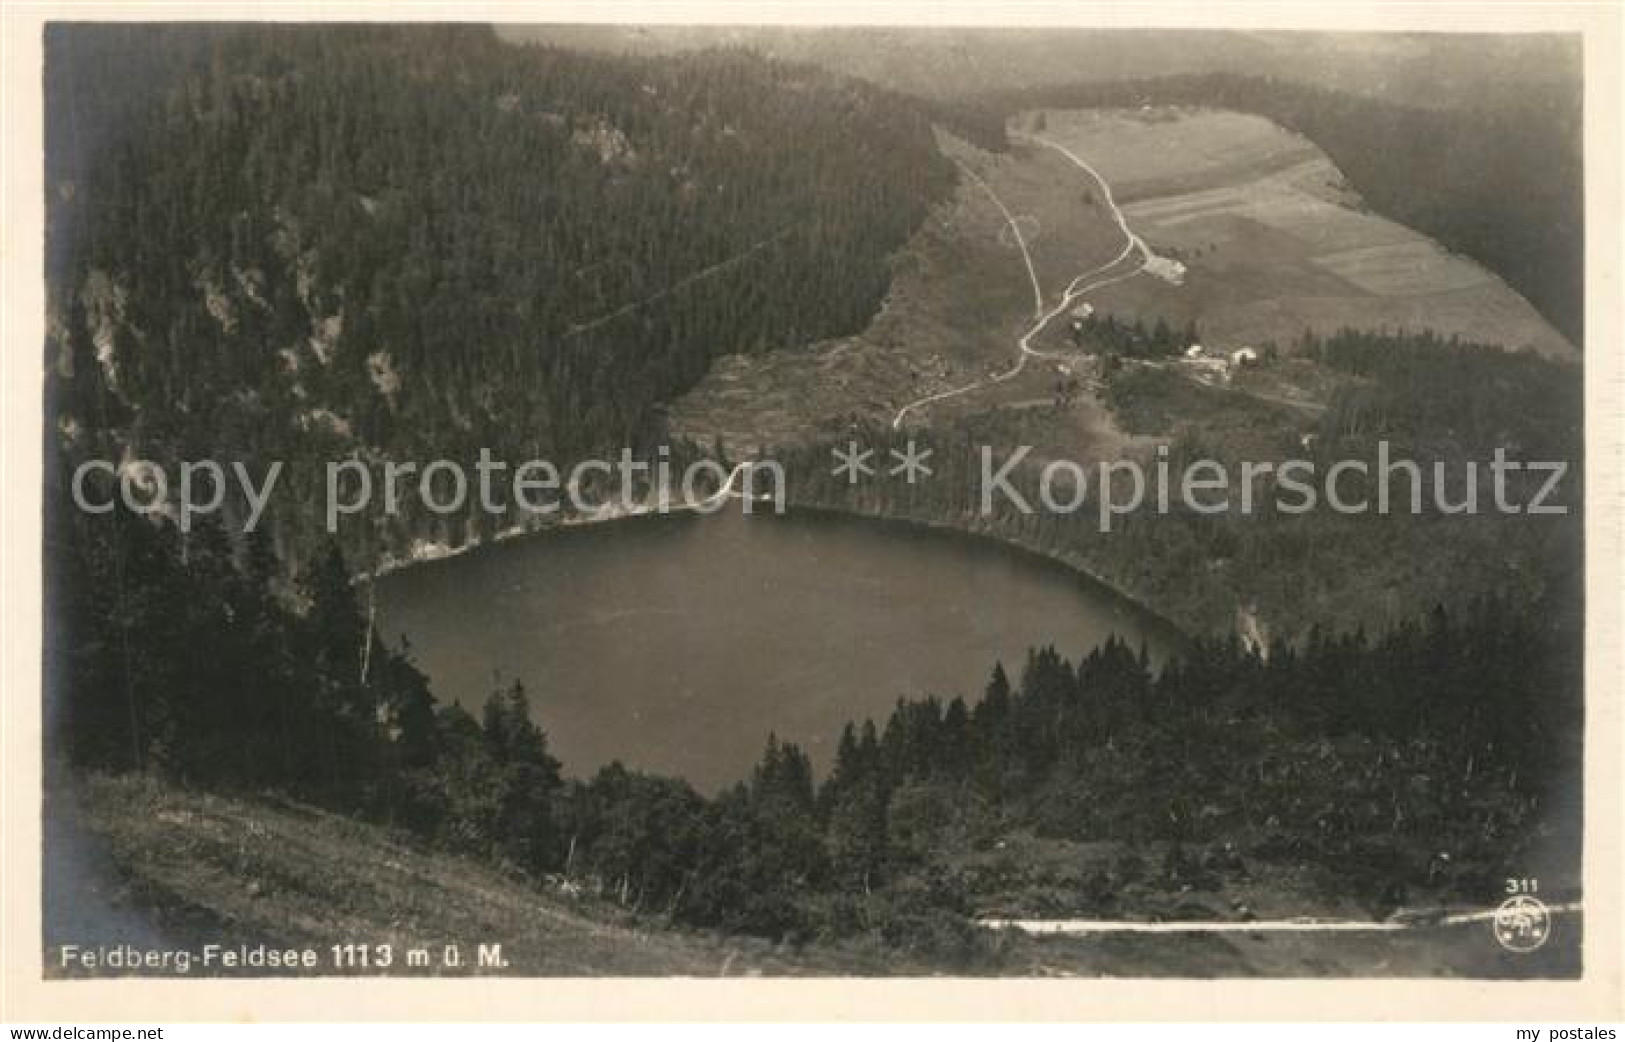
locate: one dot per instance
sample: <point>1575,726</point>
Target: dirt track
<point>1076,290</point>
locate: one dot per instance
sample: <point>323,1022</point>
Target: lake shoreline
<point>426,554</point>
<point>649,640</point>
<point>1180,634</point>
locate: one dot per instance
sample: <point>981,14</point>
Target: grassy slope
<point>135,861</point>
<point>960,297</point>
<point>1275,242</point>
<point>204,868</point>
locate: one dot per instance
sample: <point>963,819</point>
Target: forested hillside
<point>1438,403</point>
<point>1361,772</point>
<point>413,242</point>
<point>1355,771</point>
<point>1472,139</point>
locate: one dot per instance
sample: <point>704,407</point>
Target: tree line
<point>1112,336</point>
<point>1361,756</point>
<point>1433,400</point>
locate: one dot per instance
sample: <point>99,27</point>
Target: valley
<point>1057,301</point>
<point>856,738</point>
<point>1269,241</point>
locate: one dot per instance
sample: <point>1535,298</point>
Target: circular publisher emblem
<point>1522,924</point>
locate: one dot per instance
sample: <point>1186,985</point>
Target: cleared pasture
<point>960,298</point>
<point>1274,242</point>
<point>1273,239</point>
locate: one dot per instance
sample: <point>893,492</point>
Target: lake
<point>677,643</point>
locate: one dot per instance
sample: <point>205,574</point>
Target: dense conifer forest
<point>1433,402</point>
<point>414,242</point>
<point>1361,757</point>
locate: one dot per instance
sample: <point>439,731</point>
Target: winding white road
<point>1076,927</point>
<point>1080,286</point>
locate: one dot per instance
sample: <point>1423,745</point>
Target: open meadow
<point>1249,234</point>
<point>1274,241</point>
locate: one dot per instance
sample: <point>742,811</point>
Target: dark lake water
<point>675,644</point>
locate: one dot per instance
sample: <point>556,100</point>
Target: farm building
<point>1165,268</point>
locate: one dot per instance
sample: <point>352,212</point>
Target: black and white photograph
<point>635,499</point>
